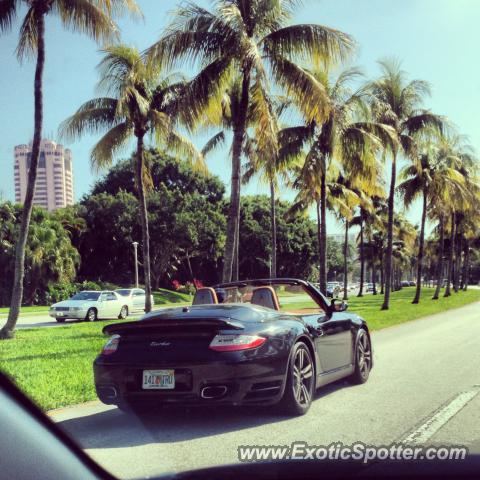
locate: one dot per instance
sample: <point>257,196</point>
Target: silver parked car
<point>135,296</point>
<point>90,306</point>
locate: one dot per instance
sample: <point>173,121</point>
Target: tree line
<point>254,72</point>
<point>89,244</point>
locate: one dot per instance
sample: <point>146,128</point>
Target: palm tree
<point>471,236</point>
<point>451,249</point>
<point>251,38</point>
<point>396,102</point>
<point>453,152</point>
<point>144,101</point>
<point>440,214</point>
<point>273,168</point>
<point>345,194</point>
<point>430,178</point>
<point>405,236</point>
<point>92,17</point>
<point>226,117</point>
<point>367,219</point>
<point>359,220</point>
<point>347,139</point>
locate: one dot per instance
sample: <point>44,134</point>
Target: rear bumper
<point>259,382</point>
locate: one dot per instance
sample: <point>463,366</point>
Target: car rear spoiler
<point>162,324</point>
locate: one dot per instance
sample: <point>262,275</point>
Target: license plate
<point>158,380</point>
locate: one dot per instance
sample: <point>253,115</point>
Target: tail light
<point>232,343</point>
<point>111,346</point>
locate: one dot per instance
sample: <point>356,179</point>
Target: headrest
<point>265,297</point>
<point>205,296</point>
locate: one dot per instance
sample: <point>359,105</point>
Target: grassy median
<point>54,365</point>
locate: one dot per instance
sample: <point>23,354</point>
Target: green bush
<point>87,285</point>
<point>56,292</point>
<point>108,286</point>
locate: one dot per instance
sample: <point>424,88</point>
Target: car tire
<point>61,320</point>
<point>123,313</point>
<point>300,381</point>
<point>363,358</point>
<point>91,315</point>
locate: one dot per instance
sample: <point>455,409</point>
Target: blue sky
<point>437,40</point>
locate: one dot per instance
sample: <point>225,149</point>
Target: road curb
<point>66,409</point>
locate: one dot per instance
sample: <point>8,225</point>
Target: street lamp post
<point>135,246</point>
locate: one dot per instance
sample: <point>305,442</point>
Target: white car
<point>90,306</point>
<point>135,296</point>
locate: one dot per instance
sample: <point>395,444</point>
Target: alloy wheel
<point>302,377</point>
<point>364,355</point>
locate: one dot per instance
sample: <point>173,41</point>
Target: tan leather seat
<point>265,297</point>
<point>205,296</point>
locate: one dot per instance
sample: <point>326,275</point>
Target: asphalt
<point>44,320</point>
<point>425,381</point>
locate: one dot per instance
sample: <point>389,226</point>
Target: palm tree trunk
<point>345,263</point>
<point>236,255</point>
<point>418,290</point>
<point>461,266</point>
<point>362,258</point>
<point>273,222</point>
<point>440,260</point>
<point>234,208</point>
<point>323,229</point>
<point>319,235</point>
<point>139,167</point>
<point>466,265</point>
<point>388,259</point>
<point>450,256</point>
<point>458,257</point>
<point>17,291</point>
<point>382,274</point>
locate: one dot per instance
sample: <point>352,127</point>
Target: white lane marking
<point>438,420</point>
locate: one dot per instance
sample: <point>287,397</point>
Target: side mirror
<point>338,307</point>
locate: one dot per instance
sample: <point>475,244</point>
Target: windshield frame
<point>307,286</point>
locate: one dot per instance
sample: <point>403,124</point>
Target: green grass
<point>167,297</point>
<point>35,310</point>
<point>54,365</point>
<point>401,307</point>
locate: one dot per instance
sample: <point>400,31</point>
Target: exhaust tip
<point>212,392</point>
<point>109,393</point>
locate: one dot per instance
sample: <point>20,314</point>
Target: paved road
<point>41,320</point>
<point>420,369</point>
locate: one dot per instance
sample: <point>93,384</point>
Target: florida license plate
<point>158,380</point>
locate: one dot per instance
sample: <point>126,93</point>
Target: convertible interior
<point>286,298</point>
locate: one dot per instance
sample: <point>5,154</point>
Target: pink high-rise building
<point>54,185</point>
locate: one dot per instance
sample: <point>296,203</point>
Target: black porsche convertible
<point>248,342</point>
